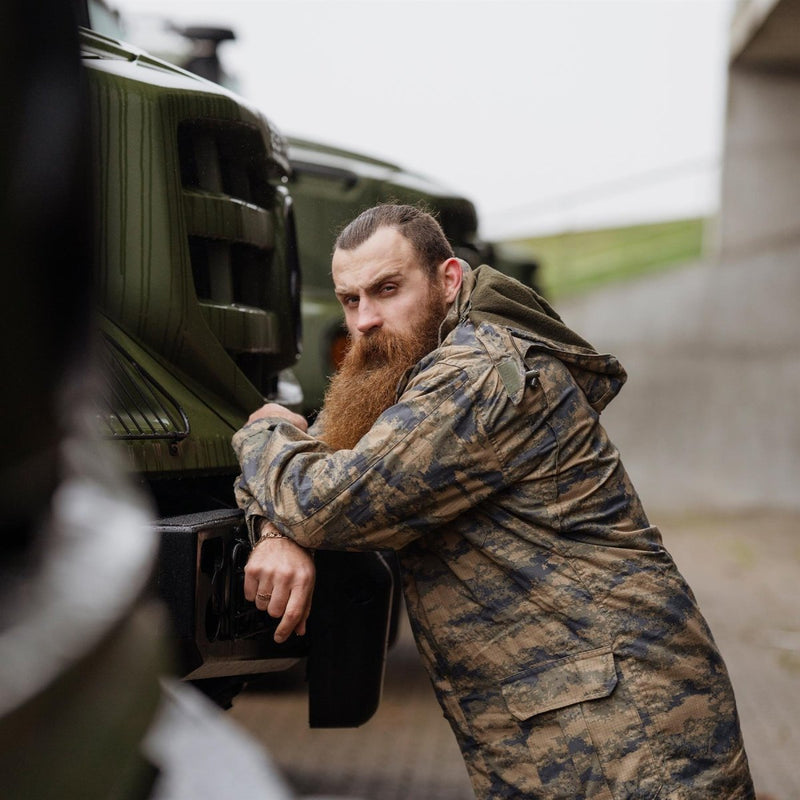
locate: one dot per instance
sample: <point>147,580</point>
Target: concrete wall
<point>761,164</point>
<point>710,417</point>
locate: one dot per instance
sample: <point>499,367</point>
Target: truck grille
<point>136,406</point>
<point>236,220</point>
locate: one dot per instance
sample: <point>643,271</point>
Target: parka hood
<point>489,296</point>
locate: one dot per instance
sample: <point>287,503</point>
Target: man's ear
<point>450,271</point>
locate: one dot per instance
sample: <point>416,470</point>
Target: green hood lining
<point>490,297</point>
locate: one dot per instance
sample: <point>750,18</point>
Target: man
<point>565,648</point>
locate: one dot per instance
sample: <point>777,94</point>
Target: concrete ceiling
<point>766,34</point>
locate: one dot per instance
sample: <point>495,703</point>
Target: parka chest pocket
<point>583,730</point>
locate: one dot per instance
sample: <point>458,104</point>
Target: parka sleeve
<point>425,461</point>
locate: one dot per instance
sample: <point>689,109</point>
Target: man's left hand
<point>279,577</point>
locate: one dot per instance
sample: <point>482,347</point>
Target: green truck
<point>198,293</point>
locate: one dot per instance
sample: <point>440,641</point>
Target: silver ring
<point>263,596</point>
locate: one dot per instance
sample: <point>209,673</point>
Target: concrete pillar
<point>761,164</point>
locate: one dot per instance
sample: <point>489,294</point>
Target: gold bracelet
<point>268,532</point>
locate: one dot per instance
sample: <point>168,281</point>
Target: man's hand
<point>279,577</point>
<point>276,410</point>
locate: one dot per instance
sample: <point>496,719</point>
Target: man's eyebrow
<point>390,275</point>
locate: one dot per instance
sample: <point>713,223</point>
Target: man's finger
<point>300,630</point>
<point>250,586</point>
<point>275,410</point>
<point>263,598</point>
<point>295,615</point>
<point>277,603</point>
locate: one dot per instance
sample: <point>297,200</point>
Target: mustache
<point>376,349</point>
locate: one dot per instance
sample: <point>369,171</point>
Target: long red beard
<point>366,384</point>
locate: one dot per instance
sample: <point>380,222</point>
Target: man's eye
<point>351,302</point>
<point>388,288</point>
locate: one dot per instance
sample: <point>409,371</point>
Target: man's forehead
<point>385,254</point>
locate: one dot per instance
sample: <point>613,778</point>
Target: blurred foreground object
<point>79,650</point>
<point>83,710</point>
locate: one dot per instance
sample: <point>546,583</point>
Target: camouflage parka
<point>565,648</point>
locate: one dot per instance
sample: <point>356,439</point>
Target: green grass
<point>577,261</point>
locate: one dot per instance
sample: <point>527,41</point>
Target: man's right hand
<point>277,410</point>
<point>279,577</point>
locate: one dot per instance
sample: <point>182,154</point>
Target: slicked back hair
<point>418,226</point>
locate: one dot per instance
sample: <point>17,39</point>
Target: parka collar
<point>490,297</point>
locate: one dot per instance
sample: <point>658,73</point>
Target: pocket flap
<point>561,683</point>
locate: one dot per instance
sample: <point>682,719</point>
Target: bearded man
<point>565,648</point>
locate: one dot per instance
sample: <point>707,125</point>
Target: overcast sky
<point>548,114</point>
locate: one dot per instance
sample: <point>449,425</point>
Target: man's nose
<point>368,317</point>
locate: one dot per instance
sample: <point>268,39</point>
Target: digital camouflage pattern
<point>565,648</point>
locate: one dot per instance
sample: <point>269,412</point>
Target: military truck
<point>198,292</point>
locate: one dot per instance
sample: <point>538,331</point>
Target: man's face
<point>393,312</point>
<point>382,286</point>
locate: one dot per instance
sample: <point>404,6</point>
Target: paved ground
<point>745,571</point>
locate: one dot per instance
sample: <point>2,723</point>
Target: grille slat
<point>234,216</point>
<point>136,405</point>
